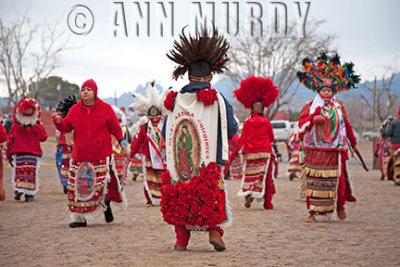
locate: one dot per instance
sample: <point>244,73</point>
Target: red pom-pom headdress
<point>256,89</point>
<point>27,111</point>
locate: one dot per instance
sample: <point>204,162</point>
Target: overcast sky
<point>367,34</point>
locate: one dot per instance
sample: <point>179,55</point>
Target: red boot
<point>182,237</point>
<point>216,240</point>
<point>341,213</point>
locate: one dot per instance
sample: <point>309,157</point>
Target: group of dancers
<point>181,144</point>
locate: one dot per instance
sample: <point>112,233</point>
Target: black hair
<point>199,68</point>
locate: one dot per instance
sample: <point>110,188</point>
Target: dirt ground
<point>37,233</point>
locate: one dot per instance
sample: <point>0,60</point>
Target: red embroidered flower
<point>212,166</point>
<point>207,96</point>
<point>204,172</point>
<point>169,101</point>
<point>200,221</point>
<point>166,177</point>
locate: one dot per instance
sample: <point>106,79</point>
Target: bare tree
<point>357,113</point>
<point>380,98</point>
<point>28,55</point>
<point>278,58</point>
<point>241,112</point>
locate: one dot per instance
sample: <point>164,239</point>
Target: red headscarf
<point>92,84</point>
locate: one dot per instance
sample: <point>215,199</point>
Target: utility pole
<point>115,98</point>
<point>374,105</point>
<point>59,90</point>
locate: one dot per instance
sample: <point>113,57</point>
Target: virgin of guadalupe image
<point>185,146</point>
<point>327,132</point>
<point>85,175</point>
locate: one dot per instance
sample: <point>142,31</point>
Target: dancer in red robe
<point>326,133</point>
<point>256,139</point>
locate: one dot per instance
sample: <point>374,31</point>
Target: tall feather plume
<point>152,98</point>
<point>207,46</point>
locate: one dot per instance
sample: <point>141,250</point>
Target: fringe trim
<point>105,187</point>
<point>321,194</point>
<point>256,195</point>
<point>124,204</point>
<point>26,191</point>
<point>323,208</point>
<point>396,165</point>
<point>136,127</point>
<point>224,127</point>
<point>326,218</point>
<point>302,186</point>
<point>196,228</point>
<point>304,127</point>
<point>154,202</point>
<point>89,216</point>
<point>321,173</point>
<point>28,120</point>
<point>260,155</point>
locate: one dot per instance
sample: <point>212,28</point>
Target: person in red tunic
<point>24,151</point>
<point>92,181</point>
<point>3,138</point>
<point>382,151</point>
<point>121,165</point>
<point>150,142</point>
<point>256,139</point>
<point>326,131</point>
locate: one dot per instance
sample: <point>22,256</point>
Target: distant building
<point>48,123</point>
<point>281,115</point>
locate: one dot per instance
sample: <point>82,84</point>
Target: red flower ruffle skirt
<point>199,204</point>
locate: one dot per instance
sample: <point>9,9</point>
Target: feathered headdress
<point>120,115</point>
<point>206,47</point>
<point>27,111</point>
<point>65,105</point>
<point>327,72</point>
<point>154,99</point>
<point>256,89</point>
